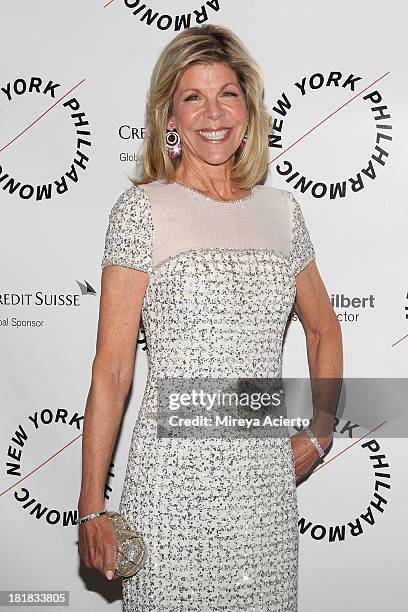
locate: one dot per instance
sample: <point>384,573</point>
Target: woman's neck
<point>219,188</point>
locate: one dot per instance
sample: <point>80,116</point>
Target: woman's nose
<point>213,109</point>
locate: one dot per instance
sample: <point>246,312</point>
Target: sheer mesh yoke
<point>150,223</point>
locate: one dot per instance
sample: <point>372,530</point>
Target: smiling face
<point>209,113</point>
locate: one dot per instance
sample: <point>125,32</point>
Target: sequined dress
<point>219,516</point>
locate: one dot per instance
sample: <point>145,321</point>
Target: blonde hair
<point>202,44</point>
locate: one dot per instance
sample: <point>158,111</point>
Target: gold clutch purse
<point>131,551</point>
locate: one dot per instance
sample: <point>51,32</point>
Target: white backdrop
<point>73,81</point>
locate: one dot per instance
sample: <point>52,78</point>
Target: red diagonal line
<point>328,117</point>
<point>403,338</point>
<point>348,447</point>
<point>41,464</point>
<point>38,118</point>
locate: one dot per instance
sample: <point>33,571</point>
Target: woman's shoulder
<point>130,204</point>
<point>155,191</point>
<point>274,195</point>
<point>139,196</point>
<point>270,189</point>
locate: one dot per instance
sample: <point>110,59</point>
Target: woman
<point>213,259</point>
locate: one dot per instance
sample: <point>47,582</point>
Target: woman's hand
<point>305,454</point>
<point>97,545</point>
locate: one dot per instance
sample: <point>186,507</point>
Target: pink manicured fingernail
<point>109,574</point>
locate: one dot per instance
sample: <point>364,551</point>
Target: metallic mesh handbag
<point>131,552</point>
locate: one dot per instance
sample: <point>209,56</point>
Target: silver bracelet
<point>314,441</point>
<point>88,517</point>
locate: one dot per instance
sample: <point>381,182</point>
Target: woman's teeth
<point>216,135</point>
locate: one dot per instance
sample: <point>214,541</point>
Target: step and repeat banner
<point>73,83</point>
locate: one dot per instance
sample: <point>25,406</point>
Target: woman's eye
<point>192,96</point>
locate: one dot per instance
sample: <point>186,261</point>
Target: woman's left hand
<point>305,454</point>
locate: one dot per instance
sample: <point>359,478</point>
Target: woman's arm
<point>325,358</point>
<point>122,292</point>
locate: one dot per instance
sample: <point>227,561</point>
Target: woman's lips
<point>215,140</point>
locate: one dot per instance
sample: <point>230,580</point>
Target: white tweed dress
<point>219,516</point>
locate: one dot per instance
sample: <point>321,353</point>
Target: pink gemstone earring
<point>243,142</point>
<point>173,142</point>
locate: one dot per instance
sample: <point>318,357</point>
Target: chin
<point>219,158</point>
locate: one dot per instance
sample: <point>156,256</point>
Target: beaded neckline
<point>247,197</point>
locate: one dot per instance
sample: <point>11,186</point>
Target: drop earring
<point>173,142</point>
<point>243,142</point>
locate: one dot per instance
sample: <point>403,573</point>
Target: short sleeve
<point>128,238</point>
<point>302,249</point>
